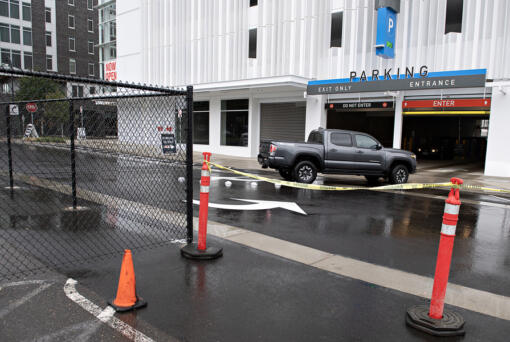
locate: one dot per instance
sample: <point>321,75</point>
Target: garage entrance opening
<point>378,122</point>
<point>440,137</point>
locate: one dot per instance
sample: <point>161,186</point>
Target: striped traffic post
<point>434,319</point>
<point>200,250</point>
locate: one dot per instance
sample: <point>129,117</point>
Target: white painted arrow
<point>256,205</point>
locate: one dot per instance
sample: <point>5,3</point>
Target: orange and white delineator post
<point>205,182</point>
<point>200,250</point>
<point>434,319</point>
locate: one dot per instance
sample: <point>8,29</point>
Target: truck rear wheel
<point>286,174</point>
<point>399,174</point>
<point>305,172</point>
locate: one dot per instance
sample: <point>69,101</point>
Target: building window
<point>252,49</point>
<point>113,52</point>
<point>27,36</point>
<point>453,16</point>
<point>90,25</point>
<point>49,62</point>
<point>201,122</point>
<point>6,56</point>
<point>4,33</point>
<point>92,90</point>
<point>113,31</point>
<point>48,38</point>
<point>72,66</point>
<point>70,2</point>
<point>90,5</point>
<point>48,14</point>
<point>77,91</point>
<point>70,21</point>
<point>4,8</point>
<point>72,44</point>
<point>91,47</point>
<point>26,11</point>
<point>27,60</point>
<point>15,34</point>
<point>234,122</point>
<point>336,29</point>
<point>15,9</point>
<point>91,69</point>
<point>16,59</point>
<point>253,3</point>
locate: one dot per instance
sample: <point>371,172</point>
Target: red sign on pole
<point>447,103</point>
<point>31,107</point>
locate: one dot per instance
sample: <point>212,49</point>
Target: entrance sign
<point>447,103</point>
<point>13,109</point>
<point>358,105</point>
<point>168,143</point>
<point>409,81</point>
<point>386,28</point>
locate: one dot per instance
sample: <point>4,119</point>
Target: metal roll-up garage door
<point>283,121</point>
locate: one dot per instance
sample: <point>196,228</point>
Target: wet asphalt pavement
<point>396,230</point>
<point>252,295</point>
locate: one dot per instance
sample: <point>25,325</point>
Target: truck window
<point>362,141</point>
<point>316,137</point>
<point>341,139</point>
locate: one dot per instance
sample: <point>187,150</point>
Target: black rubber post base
<point>190,251</point>
<point>140,303</point>
<point>452,324</point>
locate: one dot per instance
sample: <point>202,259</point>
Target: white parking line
<point>106,316</point>
<point>42,286</point>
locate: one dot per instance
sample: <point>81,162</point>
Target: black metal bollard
<point>9,149</point>
<point>73,161</point>
<point>189,165</point>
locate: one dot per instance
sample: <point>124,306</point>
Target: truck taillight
<point>272,148</point>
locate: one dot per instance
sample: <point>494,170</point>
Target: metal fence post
<point>73,162</point>
<point>189,165</point>
<point>9,150</point>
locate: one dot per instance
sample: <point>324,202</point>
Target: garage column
<point>497,162</point>
<point>397,128</point>
<point>315,113</point>
<point>254,126</point>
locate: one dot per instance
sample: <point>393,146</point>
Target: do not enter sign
<point>31,107</point>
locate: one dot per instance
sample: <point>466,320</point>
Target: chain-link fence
<point>89,168</point>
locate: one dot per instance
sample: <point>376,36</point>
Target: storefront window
<point>234,122</point>
<point>201,122</point>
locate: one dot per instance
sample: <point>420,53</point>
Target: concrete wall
<point>498,145</point>
<point>175,42</point>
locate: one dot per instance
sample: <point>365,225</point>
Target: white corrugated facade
<point>205,43</point>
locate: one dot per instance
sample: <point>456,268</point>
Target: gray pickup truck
<point>337,152</point>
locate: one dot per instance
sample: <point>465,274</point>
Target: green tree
<point>36,88</point>
<point>56,113</point>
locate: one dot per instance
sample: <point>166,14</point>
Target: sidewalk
<point>428,171</point>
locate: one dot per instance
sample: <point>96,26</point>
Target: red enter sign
<point>31,107</point>
<point>447,103</point>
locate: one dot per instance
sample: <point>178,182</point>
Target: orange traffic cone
<point>126,298</point>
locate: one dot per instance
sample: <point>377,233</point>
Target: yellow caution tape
<point>407,186</point>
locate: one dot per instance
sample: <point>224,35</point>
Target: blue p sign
<point>386,27</point>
